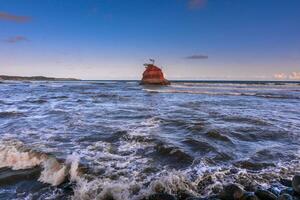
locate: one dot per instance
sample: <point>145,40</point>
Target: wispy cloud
<point>196,4</point>
<point>291,76</point>
<point>280,76</point>
<point>14,18</point>
<point>197,57</point>
<point>294,76</point>
<point>16,39</point>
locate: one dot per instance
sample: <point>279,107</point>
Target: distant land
<point>34,78</point>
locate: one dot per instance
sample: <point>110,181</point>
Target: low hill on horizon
<point>34,78</point>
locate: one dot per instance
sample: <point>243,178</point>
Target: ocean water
<point>120,140</point>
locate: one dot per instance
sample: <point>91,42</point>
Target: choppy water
<point>120,140</point>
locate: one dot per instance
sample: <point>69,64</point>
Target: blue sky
<point>190,39</point>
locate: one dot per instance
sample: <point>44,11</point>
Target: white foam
<point>54,173</point>
<point>102,189</point>
<point>15,155</point>
<point>74,160</point>
<point>131,184</point>
<point>173,182</point>
<point>130,189</point>
<point>11,156</point>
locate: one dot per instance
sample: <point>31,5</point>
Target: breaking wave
<point>197,180</point>
<point>15,155</point>
<point>120,141</point>
<point>262,95</point>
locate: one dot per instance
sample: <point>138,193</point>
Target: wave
<point>197,180</point>
<point>246,120</point>
<point>216,135</point>
<point>238,83</point>
<point>8,114</point>
<point>198,145</point>
<point>59,97</point>
<point>174,154</point>
<point>15,155</point>
<point>9,176</point>
<point>262,95</point>
<point>36,101</point>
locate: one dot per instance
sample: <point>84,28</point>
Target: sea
<point>119,140</point>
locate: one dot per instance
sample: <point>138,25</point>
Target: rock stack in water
<point>153,75</point>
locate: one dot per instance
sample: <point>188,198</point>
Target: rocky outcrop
<point>153,75</point>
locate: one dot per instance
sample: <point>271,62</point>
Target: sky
<point>189,39</point>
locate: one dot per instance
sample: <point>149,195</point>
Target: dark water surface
<point>119,140</point>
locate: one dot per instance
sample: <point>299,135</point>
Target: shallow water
<point>120,140</point>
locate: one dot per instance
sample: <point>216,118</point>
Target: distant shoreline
<point>204,81</point>
<point>44,78</point>
<point>34,78</point>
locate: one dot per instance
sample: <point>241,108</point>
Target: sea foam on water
<point>192,138</point>
<point>15,155</point>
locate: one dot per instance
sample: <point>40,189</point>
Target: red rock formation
<point>154,75</point>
